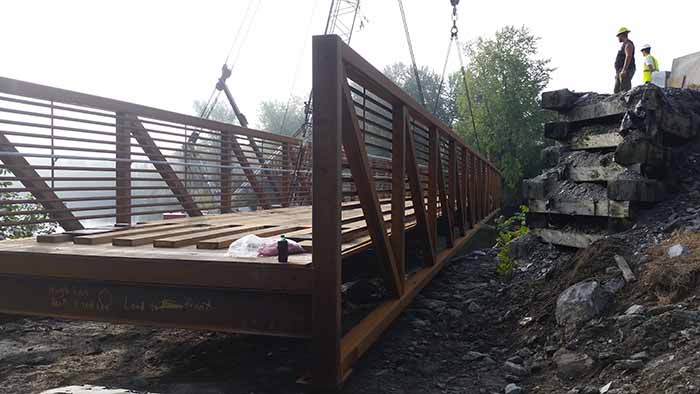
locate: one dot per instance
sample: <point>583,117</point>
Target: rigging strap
<point>413,56</point>
<point>454,40</point>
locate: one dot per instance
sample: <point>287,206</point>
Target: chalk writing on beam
<point>106,300</point>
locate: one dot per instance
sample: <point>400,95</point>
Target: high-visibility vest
<point>650,69</point>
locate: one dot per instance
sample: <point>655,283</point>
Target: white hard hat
<point>646,46</point>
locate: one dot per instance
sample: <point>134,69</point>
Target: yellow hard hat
<point>622,30</point>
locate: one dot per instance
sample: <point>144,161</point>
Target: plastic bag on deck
<point>254,246</point>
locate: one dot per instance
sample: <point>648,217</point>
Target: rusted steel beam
<point>28,89</point>
<point>484,195</point>
<point>286,164</point>
<point>328,81</point>
<point>398,186</point>
<point>21,168</point>
<point>225,171</point>
<point>164,169</point>
<point>464,185</point>
<point>181,270</point>
<point>422,219</point>
<point>445,207</point>
<point>123,168</point>
<point>361,71</point>
<point>250,174</point>
<point>473,203</point>
<point>261,159</point>
<point>460,196</point>
<point>359,167</point>
<point>433,169</point>
<point>452,186</point>
<point>163,306</point>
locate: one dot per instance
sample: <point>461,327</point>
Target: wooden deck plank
<point>144,239</point>
<point>191,239</point>
<point>176,238</point>
<point>224,242</point>
<point>103,238</point>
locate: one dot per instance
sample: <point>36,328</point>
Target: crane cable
<point>248,20</point>
<point>413,56</point>
<point>454,40</point>
<point>297,68</point>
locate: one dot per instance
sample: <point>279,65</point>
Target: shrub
<point>508,230</point>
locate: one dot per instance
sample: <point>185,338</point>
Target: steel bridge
<point>104,171</point>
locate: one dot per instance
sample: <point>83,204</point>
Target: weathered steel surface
<point>19,166</point>
<point>328,82</point>
<point>356,199</point>
<point>165,306</point>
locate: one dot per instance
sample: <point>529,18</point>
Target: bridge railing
<point>80,160</point>
<point>408,169</point>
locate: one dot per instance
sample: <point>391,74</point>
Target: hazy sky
<point>168,53</point>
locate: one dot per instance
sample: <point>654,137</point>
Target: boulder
<point>580,303</point>
<point>636,310</point>
<point>521,247</point>
<point>473,356</point>
<point>513,389</point>
<point>515,369</point>
<point>677,250</point>
<point>571,365</point>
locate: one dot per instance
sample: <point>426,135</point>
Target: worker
<point>650,63</point>
<point>624,62</point>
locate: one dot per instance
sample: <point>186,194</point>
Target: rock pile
<point>612,155</point>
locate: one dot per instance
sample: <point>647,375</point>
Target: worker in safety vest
<point>624,62</point>
<point>650,63</point>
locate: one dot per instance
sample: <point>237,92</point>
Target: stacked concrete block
<point>612,155</point>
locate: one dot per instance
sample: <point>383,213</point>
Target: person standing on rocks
<point>651,65</point>
<point>624,62</point>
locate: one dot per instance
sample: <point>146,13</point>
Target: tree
<point>505,78</point>
<point>282,117</point>
<point>15,228</point>
<point>404,77</point>
<point>221,112</point>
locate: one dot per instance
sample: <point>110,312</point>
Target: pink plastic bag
<point>271,249</point>
<point>254,246</point>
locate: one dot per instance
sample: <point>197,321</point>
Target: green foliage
<point>282,117</point>
<point>402,75</point>
<point>20,230</point>
<point>508,230</point>
<point>506,78</point>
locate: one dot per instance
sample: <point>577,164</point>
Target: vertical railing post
<point>326,217</point>
<point>286,174</point>
<point>452,185</point>
<point>491,197</point>
<point>225,181</point>
<point>445,203</point>
<point>482,173</point>
<point>480,186</point>
<point>465,190</point>
<point>400,127</point>
<point>433,168</point>
<point>473,189</point>
<point>123,169</point>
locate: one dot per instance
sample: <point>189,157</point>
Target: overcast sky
<point>167,54</point>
